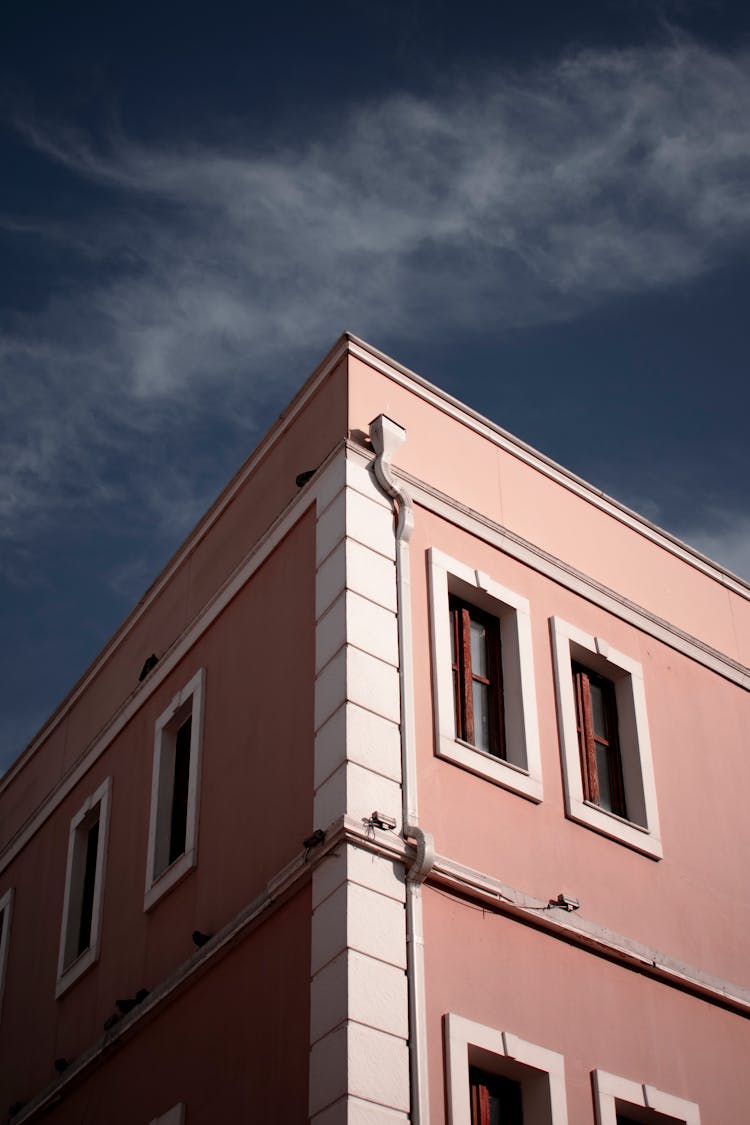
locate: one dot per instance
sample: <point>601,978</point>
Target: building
<point>431,806</point>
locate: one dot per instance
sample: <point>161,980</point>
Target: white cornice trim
<point>488,429</point>
<point>596,592</point>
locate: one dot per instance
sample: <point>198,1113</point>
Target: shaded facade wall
<point>255,810</point>
<point>231,1047</point>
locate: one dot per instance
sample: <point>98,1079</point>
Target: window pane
<point>598,716</point>
<point>605,781</point>
<point>481,698</point>
<point>505,1103</point>
<point>478,649</point>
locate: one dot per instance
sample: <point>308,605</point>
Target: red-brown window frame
<point>461,615</point>
<point>588,741</point>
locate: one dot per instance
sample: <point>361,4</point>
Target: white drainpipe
<point>386,437</point>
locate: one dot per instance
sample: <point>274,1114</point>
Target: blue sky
<point>543,208</point>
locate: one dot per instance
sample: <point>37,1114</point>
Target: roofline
<point>349,344</point>
<point>552,469</point>
<point>188,545</point>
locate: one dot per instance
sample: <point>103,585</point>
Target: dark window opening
<point>495,1100</point>
<point>178,820</point>
<point>87,890</point>
<point>477,677</point>
<point>598,741</point>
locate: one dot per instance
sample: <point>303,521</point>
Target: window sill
<point>75,970</point>
<point>492,769</point>
<point>616,827</point>
<point>169,878</point>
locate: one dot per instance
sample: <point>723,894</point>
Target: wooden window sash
<point>588,740</point>
<point>464,675</point>
<point>480,1104</point>
<point>467,675</point>
<point>456,665</point>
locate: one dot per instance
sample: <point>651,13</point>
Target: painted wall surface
<point>596,1014</point>
<point>232,1047</point>
<point>255,811</point>
<point>479,473</point>
<point>692,904</point>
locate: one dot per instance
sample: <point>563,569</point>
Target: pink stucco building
<point>433,807</point>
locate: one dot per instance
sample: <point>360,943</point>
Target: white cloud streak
<point>514,199</point>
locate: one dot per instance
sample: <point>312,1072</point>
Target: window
<point>477,677</point>
<point>483,674</point>
<point>84,885</point>
<point>494,1100</point>
<point>6,909</point>
<point>172,840</point>
<point>495,1078</point>
<point>604,739</point>
<point>598,740</point>
<point>619,1101</point>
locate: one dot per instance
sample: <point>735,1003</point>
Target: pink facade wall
<point>479,473</point>
<point>255,810</point>
<point>209,1048</point>
<point>598,1015</point>
<point>690,906</point>
<point>696,721</point>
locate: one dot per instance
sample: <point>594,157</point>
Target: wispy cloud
<point>725,536</point>
<point>516,198</point>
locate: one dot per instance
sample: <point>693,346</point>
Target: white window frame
<point>69,971</point>
<point>641,832</point>
<point>540,1071</point>
<point>522,771</point>
<point>187,701</point>
<point>613,1095</point>
<point>6,915</point>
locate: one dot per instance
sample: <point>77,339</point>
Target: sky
<point>543,208</point>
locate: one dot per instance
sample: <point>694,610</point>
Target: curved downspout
<point>386,437</point>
